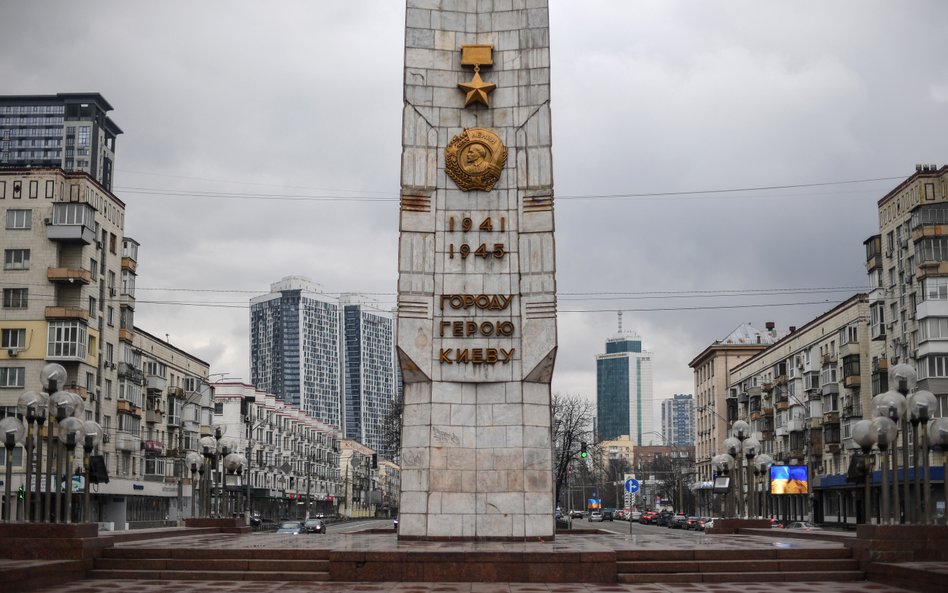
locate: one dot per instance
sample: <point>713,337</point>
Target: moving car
<point>595,516</point>
<point>314,526</point>
<point>635,516</point>
<point>677,522</point>
<point>290,528</point>
<point>576,514</point>
<point>608,514</point>
<point>805,525</point>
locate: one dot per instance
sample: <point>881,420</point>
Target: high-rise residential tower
<point>68,131</point>
<point>624,390</point>
<point>678,420</point>
<point>332,357</point>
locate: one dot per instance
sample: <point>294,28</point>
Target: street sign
<point>632,485</point>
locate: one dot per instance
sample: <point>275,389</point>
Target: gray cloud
<point>304,99</point>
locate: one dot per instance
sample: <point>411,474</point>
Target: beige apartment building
<point>711,369</point>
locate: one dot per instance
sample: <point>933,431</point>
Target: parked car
<point>290,528</point>
<point>663,518</point>
<point>595,516</point>
<point>702,523</point>
<point>314,526</point>
<point>635,516</point>
<point>691,523</point>
<point>805,525</point>
<point>677,522</point>
<point>608,514</point>
<point>648,518</point>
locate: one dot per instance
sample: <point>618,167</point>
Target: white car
<point>595,516</point>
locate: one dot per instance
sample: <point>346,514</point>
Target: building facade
<point>711,369</point>
<point>68,131</point>
<point>332,357</point>
<point>907,263</point>
<point>624,390</point>
<point>678,420</point>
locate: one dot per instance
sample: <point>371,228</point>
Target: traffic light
<point>375,461</point>
<point>582,451</point>
<point>21,492</point>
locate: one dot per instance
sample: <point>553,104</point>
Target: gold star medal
<point>477,56</point>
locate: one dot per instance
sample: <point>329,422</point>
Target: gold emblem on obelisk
<point>477,56</point>
<point>474,159</point>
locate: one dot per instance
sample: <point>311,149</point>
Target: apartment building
<point>712,412</point>
<point>678,420</point>
<point>293,459</point>
<point>68,131</point>
<point>907,264</point>
<point>802,397</point>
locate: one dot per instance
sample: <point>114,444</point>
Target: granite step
<point>755,566</point>
<point>207,575</point>
<point>741,577</point>
<point>211,564</point>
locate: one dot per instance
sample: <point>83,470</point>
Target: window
<point>848,335</point>
<point>851,366</point>
<point>218,408</point>
<point>94,268</point>
<point>15,298</point>
<point>12,376</point>
<point>107,389</point>
<point>83,135</point>
<point>74,214</point>
<point>110,316</point>
<point>933,367</point>
<point>109,353</point>
<point>67,339</point>
<point>14,338</point>
<point>16,259</point>
<point>92,307</point>
<point>19,219</point>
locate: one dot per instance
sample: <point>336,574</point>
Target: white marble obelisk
<point>476,288</point>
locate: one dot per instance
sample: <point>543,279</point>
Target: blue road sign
<point>632,485</point>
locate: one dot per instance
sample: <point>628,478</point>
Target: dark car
<point>663,518</point>
<point>691,523</point>
<point>608,514</point>
<point>314,526</point>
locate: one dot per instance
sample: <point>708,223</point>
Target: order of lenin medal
<point>474,159</point>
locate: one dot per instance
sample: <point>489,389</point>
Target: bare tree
<point>572,423</point>
<point>392,431</point>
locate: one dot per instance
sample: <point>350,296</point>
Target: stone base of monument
<point>62,553</point>
<point>225,525</point>
<point>468,565</point>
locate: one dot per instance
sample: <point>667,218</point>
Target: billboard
<point>594,503</point>
<point>789,479</point>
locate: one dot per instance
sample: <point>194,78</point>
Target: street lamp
<point>904,378</point>
<point>762,463</point>
<point>920,406</point>
<point>11,431</point>
<point>885,432</point>
<point>33,407</point>
<point>91,439</point>
<point>865,437</point>
<point>71,433</point>
<point>208,447</point>
<point>750,447</point>
<point>194,461</point>
<point>938,437</point>
<point>891,405</point>
<point>732,447</point>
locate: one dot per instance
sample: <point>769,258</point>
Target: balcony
<point>827,359</point>
<point>154,447</point>
<point>831,418</point>
<point>127,442</point>
<point>755,416</point>
<point>69,275</point>
<point>830,388</point>
<point>128,264</point>
<point>767,386</point>
<point>767,411</point>
<point>127,371</point>
<point>156,383</point>
<point>126,407</point>
<point>153,416</point>
<point>814,422</point>
<point>206,431</point>
<point>71,222</point>
<point>780,380</point>
<point>783,405</point>
<point>880,365</point>
<point>176,392</point>
<point>831,448</point>
<point>798,454</point>
<point>125,335</point>
<point>67,313</point>
<point>796,425</point>
<point>766,435</point>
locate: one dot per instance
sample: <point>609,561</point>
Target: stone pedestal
<point>476,329</point>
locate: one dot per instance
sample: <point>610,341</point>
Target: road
<point>624,527</point>
<point>359,525</point>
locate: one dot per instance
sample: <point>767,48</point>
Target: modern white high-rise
<point>678,420</point>
<point>624,390</point>
<point>331,356</point>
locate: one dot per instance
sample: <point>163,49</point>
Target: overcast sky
<point>659,103</point>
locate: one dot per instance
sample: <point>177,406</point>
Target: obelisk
<point>476,329</point>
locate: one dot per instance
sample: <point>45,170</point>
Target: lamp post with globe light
<point>938,437</point>
<point>194,462</point>
<point>904,378</point>
<point>921,404</point>
<point>885,433</point>
<point>71,433</point>
<point>32,406</point>
<point>51,376</point>
<point>12,433</point>
<point>91,439</point>
<point>865,437</point>
<point>762,463</point>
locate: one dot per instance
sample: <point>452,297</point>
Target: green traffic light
<point>584,454</point>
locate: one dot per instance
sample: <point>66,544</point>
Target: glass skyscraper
<point>624,391</point>
<point>332,357</point>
